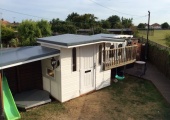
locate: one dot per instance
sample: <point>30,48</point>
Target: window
<point>111,52</point>
<point>74,58</point>
<point>50,72</point>
<point>100,54</point>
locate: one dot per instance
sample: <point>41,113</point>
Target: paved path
<point>158,79</point>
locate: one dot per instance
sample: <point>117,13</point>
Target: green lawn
<point>130,99</point>
<point>158,36</point>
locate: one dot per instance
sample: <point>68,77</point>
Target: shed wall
<point>69,79</point>
<point>52,85</point>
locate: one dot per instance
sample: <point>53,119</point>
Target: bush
<point>167,39</point>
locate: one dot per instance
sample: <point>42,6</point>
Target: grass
<point>39,112</point>
<point>130,99</point>
<point>158,36</point>
<point>141,99</point>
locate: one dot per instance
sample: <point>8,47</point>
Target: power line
<point>112,9</point>
<point>23,13</point>
<point>48,18</point>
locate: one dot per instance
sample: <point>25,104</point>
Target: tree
<point>141,25</point>
<point>105,24</point>
<point>14,42</point>
<point>114,19</point>
<point>135,31</point>
<point>62,26</point>
<point>54,24</point>
<point>28,32</point>
<point>72,16</point>
<point>165,25</point>
<point>44,27</point>
<point>127,22</point>
<point>7,34</point>
<point>92,21</point>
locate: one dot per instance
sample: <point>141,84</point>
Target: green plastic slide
<point>10,109</point>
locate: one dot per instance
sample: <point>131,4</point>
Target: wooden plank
<point>1,98</point>
<point>104,59</point>
<point>18,79</point>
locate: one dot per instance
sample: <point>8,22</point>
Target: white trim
<point>86,44</point>
<point>49,45</point>
<point>76,45</point>
<point>24,62</point>
<point>54,45</point>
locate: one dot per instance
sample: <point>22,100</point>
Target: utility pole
<point>146,50</point>
<point>146,44</point>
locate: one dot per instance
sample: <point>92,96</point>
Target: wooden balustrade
<point>113,58</point>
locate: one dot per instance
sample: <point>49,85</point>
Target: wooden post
<point>104,56</point>
<point>1,99</point>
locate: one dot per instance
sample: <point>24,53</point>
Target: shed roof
<point>22,55</point>
<point>124,29</point>
<point>67,40</point>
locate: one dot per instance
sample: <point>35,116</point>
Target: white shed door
<point>87,83</point>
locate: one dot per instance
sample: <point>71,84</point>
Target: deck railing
<point>113,58</point>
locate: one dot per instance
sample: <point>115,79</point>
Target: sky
<point>18,10</point>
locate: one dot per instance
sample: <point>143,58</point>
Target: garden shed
<point>65,66</point>
<point>85,63</point>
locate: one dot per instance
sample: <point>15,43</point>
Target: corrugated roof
<point>22,54</point>
<point>74,39</point>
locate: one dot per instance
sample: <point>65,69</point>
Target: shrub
<point>167,39</point>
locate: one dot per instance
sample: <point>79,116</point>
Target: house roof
<point>4,22</point>
<point>68,40</point>
<point>17,56</point>
<point>155,24</point>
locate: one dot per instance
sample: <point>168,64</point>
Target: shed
<point>22,68</point>
<point>83,64</point>
<point>66,66</point>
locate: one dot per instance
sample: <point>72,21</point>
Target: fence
<point>119,57</point>
<point>159,55</point>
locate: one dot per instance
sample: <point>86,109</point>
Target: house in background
<point>156,26</point>
<point>65,66</point>
<point>153,26</point>
<point>4,22</point>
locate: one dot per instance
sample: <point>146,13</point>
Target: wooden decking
<point>119,57</point>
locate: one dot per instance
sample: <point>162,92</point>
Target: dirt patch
<point>87,107</point>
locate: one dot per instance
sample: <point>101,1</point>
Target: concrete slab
<point>32,98</point>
